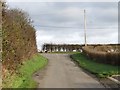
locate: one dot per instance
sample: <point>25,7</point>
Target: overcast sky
<point>63,22</point>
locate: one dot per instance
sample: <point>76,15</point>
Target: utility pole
<point>85,27</point>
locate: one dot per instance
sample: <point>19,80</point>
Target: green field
<point>23,78</point>
<point>100,70</point>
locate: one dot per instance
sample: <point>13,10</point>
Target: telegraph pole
<point>85,27</point>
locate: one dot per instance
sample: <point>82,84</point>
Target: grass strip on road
<point>101,70</point>
<point>24,77</point>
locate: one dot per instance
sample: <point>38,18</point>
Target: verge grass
<point>99,69</point>
<point>23,78</point>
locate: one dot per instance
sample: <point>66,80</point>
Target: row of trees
<point>18,38</point>
<point>63,47</point>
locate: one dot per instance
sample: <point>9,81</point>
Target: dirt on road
<point>61,72</point>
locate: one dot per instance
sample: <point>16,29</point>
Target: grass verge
<point>23,79</point>
<point>100,70</point>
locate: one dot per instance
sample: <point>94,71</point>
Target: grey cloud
<point>102,21</point>
<point>47,13</point>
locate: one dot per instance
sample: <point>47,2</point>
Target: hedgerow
<point>18,39</point>
<point>102,55</point>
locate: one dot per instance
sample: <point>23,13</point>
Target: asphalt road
<point>61,72</point>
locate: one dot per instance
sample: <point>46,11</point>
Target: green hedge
<point>18,39</point>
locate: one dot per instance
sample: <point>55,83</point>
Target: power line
<point>55,26</point>
<point>73,27</point>
<point>47,26</point>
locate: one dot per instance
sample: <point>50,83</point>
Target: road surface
<point>61,72</point>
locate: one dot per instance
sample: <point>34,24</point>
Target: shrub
<point>102,56</point>
<point>18,39</point>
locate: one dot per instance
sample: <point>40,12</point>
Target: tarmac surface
<point>62,72</point>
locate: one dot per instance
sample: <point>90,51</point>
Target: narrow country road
<point>61,72</point>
